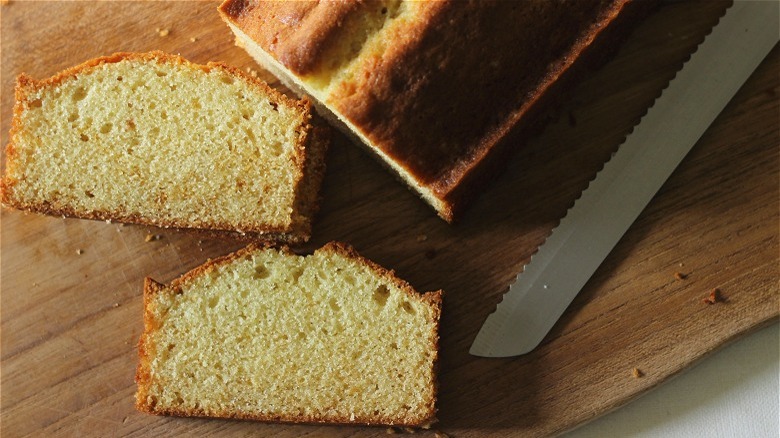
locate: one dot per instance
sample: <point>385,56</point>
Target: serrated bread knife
<point>611,203</point>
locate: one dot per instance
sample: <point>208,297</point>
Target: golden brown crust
<point>298,33</point>
<point>143,371</point>
<point>459,85</point>
<point>310,157</point>
<point>151,324</point>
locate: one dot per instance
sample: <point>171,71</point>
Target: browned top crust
<point>452,83</point>
<point>298,32</point>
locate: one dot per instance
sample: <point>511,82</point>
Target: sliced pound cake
<point>268,335</point>
<point>440,91</point>
<point>151,138</point>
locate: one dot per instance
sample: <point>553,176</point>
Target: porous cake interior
<point>179,144</point>
<point>285,337</point>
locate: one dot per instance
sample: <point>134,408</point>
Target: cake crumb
<point>440,434</point>
<point>79,251</point>
<point>422,238</point>
<point>410,430</point>
<point>152,237</point>
<point>680,276</point>
<point>714,297</point>
<point>162,32</point>
<point>193,39</point>
<point>116,305</point>
<point>390,431</point>
<point>637,373</point>
<point>252,72</point>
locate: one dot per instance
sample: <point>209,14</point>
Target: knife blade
<point>629,180</point>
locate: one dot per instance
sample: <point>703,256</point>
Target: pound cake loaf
<point>440,91</point>
<point>265,334</point>
<point>152,138</point>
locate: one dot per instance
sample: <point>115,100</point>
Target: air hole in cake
<point>119,78</point>
<point>380,295</point>
<point>276,148</point>
<point>296,274</point>
<point>251,135</point>
<point>79,94</point>
<point>36,103</point>
<point>164,115</point>
<point>213,301</point>
<point>89,194</point>
<point>84,137</point>
<point>350,280</point>
<point>407,307</point>
<point>106,128</point>
<point>226,79</point>
<point>73,117</point>
<point>274,105</point>
<point>261,272</point>
<point>161,73</point>
<point>173,87</point>
<point>334,305</point>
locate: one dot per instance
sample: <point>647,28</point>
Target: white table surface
<point>733,393</point>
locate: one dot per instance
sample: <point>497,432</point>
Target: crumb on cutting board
<point>637,373</point>
<point>163,32</point>
<point>152,237</point>
<point>680,275</point>
<point>715,296</point>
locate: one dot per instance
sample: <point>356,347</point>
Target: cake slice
<point>152,138</point>
<point>268,335</point>
<point>439,91</point>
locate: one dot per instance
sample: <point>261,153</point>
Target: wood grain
<point>70,321</point>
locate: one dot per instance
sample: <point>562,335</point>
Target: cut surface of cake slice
<point>152,138</point>
<point>269,335</point>
<point>439,91</point>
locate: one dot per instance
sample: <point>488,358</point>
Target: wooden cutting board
<point>71,289</point>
